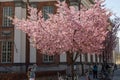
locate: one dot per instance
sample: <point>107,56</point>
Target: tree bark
<point>72,59</point>
<point>72,69</point>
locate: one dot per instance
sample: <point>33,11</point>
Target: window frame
<point>48,58</point>
<point>47,10</point>
<point>6,51</point>
<point>7,12</point>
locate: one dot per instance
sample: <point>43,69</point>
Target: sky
<point>114,6</point>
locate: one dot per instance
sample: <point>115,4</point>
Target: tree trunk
<point>72,71</point>
<point>82,69</point>
<point>72,59</point>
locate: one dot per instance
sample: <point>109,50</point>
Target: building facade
<point>116,53</point>
<point>17,56</point>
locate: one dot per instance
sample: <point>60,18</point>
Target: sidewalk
<point>91,78</point>
<point>116,76</point>
<point>83,77</point>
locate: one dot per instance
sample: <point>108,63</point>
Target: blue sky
<point>114,6</point>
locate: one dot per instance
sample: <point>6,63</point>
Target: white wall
<point>98,58</point>
<point>32,54</point>
<point>83,57</point>
<point>78,58</point>
<point>117,46</point>
<point>63,57</point>
<point>93,57</point>
<point>19,39</point>
<point>88,56</point>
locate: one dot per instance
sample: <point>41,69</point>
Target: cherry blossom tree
<point>68,30</point>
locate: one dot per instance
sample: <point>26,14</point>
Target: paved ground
<point>116,76</point>
<point>83,77</point>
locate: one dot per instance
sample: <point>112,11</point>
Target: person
<point>87,76</point>
<point>95,69</point>
<point>115,67</point>
<point>31,74</point>
<point>28,73</point>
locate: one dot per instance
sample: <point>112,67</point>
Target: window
<point>6,52</point>
<point>7,12</point>
<point>33,5</point>
<point>46,10</point>
<point>48,59</point>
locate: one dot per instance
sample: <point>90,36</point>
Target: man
<point>95,69</point>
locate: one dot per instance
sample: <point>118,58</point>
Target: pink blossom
<point>67,30</point>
